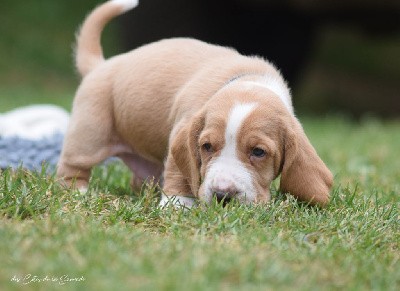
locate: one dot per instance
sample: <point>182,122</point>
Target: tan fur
<point>151,106</point>
<point>88,49</point>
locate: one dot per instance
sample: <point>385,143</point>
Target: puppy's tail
<point>88,51</point>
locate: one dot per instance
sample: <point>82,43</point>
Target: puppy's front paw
<point>177,201</point>
<point>82,190</point>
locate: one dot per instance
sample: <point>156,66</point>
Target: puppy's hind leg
<point>143,170</point>
<point>88,141</point>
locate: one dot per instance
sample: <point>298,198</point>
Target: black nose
<point>223,197</point>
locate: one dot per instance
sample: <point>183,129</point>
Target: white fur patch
<point>278,86</point>
<point>236,117</point>
<point>126,4</point>
<point>227,171</point>
<point>177,201</point>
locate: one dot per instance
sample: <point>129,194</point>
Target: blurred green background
<point>36,48</point>
<point>347,70</point>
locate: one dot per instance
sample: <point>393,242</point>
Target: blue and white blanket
<point>30,154</point>
<point>31,136</point>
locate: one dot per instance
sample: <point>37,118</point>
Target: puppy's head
<point>241,140</point>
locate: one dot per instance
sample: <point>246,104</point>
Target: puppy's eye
<point>257,152</point>
<point>207,147</point>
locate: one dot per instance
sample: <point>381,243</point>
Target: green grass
<point>119,240</point>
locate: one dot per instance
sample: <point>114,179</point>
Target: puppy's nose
<point>225,194</point>
<point>222,196</point>
<point>224,189</point>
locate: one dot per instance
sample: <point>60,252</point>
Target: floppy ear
<point>184,149</point>
<point>304,174</point>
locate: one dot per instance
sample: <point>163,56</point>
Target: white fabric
<point>34,121</point>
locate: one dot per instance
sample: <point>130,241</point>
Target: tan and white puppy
<point>214,122</point>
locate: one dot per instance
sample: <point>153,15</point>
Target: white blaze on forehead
<point>235,119</point>
<point>228,172</point>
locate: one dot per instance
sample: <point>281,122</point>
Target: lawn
<point>111,238</point>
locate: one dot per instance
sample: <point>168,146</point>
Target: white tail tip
<point>126,4</point>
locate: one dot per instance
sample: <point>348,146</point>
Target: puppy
<point>212,121</point>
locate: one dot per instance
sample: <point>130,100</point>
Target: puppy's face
<point>237,146</point>
<point>237,153</point>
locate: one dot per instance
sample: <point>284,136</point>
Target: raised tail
<point>88,52</point>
